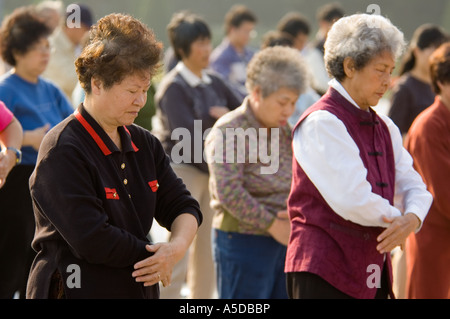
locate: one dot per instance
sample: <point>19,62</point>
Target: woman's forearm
<point>183,231</point>
<point>158,267</point>
<point>11,136</point>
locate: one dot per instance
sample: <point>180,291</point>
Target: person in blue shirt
<point>231,56</point>
<point>38,105</point>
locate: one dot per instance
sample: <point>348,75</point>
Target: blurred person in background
<point>38,105</point>
<point>117,179</point>
<point>188,93</point>
<point>274,37</point>
<point>428,251</point>
<point>231,56</point>
<point>413,92</point>
<point>51,12</point>
<point>351,173</point>
<point>10,143</point>
<point>326,16</point>
<point>170,60</point>
<point>297,26</point>
<point>251,226</point>
<point>66,44</point>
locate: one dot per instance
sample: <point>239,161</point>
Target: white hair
<point>277,67</point>
<point>50,5</point>
<point>360,37</point>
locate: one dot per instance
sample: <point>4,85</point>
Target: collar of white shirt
<point>192,79</point>
<point>338,87</point>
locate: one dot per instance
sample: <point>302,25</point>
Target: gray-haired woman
<point>248,188</point>
<point>349,166</point>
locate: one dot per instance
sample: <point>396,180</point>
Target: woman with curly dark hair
<point>92,225</point>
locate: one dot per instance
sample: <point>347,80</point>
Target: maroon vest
<point>321,241</point>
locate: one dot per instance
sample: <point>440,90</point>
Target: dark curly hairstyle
<point>20,31</point>
<point>119,46</point>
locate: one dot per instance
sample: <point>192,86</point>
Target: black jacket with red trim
<point>94,206</point>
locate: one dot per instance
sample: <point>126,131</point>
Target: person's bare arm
<point>11,136</point>
<point>158,267</point>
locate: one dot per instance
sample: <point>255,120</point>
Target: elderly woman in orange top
<point>428,251</point>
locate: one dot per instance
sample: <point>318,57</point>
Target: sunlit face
<point>445,93</point>
<point>35,60</point>
<point>120,104</point>
<point>422,57</point>
<point>199,55</point>
<point>300,41</point>
<point>368,85</point>
<point>242,35</point>
<point>274,110</point>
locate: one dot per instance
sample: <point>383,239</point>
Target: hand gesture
<point>397,232</point>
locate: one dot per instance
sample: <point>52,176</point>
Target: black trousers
<point>16,232</point>
<point>305,285</point>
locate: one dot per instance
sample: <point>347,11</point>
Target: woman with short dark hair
<point>231,56</point>
<point>428,252</point>
<point>189,100</point>
<point>38,105</point>
<point>92,225</point>
<point>412,92</point>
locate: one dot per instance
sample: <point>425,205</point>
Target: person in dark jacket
<point>188,102</point>
<point>100,181</point>
<point>413,91</point>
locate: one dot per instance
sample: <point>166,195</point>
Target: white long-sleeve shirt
<point>330,158</point>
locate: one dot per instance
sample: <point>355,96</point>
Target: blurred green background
<point>405,14</point>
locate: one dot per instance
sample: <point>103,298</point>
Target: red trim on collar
<point>132,144</point>
<point>92,132</point>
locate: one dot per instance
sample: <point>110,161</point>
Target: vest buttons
<point>125,181</point>
<point>122,166</point>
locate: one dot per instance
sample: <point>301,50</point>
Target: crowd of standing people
<point>346,196</point>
